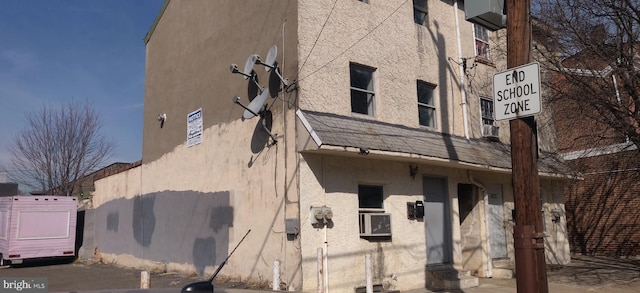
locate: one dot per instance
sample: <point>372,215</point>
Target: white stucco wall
<point>333,182</point>
<point>399,264</point>
<point>383,35</point>
<point>126,184</point>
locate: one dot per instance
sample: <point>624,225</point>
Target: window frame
<point>369,92</point>
<point>422,10</point>
<point>484,117</point>
<point>486,54</point>
<point>433,107</point>
<point>367,209</point>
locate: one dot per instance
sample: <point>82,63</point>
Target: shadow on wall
<point>602,210</point>
<point>170,226</point>
<point>144,220</point>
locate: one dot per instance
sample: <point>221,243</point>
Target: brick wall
<point>603,210</point>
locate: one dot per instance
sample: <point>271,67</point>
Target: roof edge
<point>308,127</point>
<point>147,37</point>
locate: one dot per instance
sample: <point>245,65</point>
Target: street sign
<point>516,92</point>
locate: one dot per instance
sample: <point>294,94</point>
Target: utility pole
<point>531,274</point>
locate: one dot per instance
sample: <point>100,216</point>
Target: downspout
<point>486,209</point>
<point>326,241</point>
<point>615,85</point>
<point>463,91</point>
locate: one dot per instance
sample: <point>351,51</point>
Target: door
<point>495,220</point>
<point>437,220</point>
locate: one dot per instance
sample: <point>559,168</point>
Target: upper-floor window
<point>362,90</point>
<point>426,104</point>
<point>481,35</point>
<point>486,109</point>
<point>420,12</point>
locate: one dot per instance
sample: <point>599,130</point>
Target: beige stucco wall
<point>187,68</point>
<point>188,59</point>
<point>125,184</point>
<point>383,35</point>
<point>333,181</point>
<point>399,264</point>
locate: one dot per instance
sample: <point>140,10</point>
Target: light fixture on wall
<point>162,118</point>
<point>413,171</point>
<point>364,151</point>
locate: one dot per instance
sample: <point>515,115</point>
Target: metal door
<point>495,220</point>
<point>437,220</point>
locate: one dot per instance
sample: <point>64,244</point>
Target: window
<point>486,109</point>
<point>481,35</point>
<point>370,197</point>
<point>420,12</point>
<point>364,1</point>
<point>426,105</point>
<point>374,223</point>
<point>362,93</point>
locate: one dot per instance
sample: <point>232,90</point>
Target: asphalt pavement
<point>583,274</point>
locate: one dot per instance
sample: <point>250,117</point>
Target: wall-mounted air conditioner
<point>375,224</point>
<point>488,13</point>
<point>491,132</point>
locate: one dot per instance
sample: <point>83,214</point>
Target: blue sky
<point>61,50</point>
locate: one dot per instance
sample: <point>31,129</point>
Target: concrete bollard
<point>275,285</point>
<point>368,273</point>
<point>144,280</point>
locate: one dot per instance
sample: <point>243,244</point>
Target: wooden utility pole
<point>531,274</point>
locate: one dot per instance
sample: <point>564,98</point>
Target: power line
<point>352,45</point>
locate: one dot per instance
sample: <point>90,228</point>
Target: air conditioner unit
<point>491,132</point>
<point>375,224</point>
<point>488,13</point>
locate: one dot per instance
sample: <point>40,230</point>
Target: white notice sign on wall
<point>194,128</point>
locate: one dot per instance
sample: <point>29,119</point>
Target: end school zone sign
<point>516,92</point>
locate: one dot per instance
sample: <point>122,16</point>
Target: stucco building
<point>384,109</point>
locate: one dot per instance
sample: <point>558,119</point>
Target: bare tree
<point>592,47</point>
<point>58,146</point>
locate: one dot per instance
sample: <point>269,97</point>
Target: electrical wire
<point>319,34</point>
<point>352,45</point>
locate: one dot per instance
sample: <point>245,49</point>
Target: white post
<point>275,285</point>
<point>144,280</point>
<point>320,275</point>
<point>367,268</point>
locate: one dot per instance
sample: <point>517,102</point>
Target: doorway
<point>495,218</point>
<point>437,220</point>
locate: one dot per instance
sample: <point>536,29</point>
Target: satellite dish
<point>234,69</point>
<point>270,63</point>
<point>271,58</point>
<point>253,109</point>
<point>248,66</point>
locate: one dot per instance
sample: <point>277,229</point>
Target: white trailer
<point>37,227</point>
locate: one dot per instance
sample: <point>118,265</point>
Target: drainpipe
<point>463,91</point>
<point>615,85</point>
<point>486,210</point>
<point>326,261</point>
